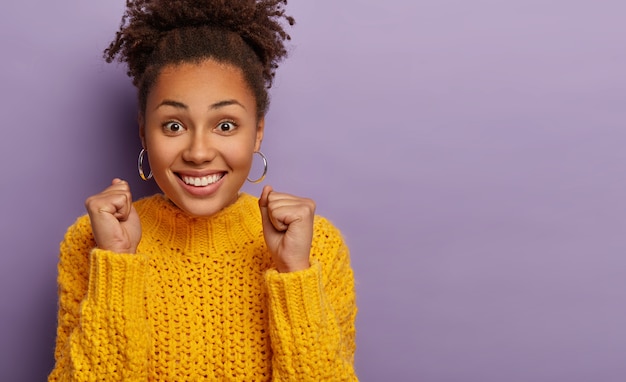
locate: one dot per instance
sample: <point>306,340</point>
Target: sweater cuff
<point>296,298</point>
<point>116,283</point>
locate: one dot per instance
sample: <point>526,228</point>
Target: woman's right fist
<point>114,220</point>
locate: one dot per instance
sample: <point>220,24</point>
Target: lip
<point>200,191</point>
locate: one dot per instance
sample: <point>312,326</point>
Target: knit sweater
<point>201,301</point>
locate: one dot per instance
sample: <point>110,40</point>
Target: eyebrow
<point>215,106</point>
<point>169,102</point>
<point>227,102</point>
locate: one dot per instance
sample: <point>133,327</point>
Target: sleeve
<point>102,331</point>
<point>313,312</point>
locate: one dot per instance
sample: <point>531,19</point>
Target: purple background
<point>471,151</point>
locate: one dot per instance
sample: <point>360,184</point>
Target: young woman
<point>203,282</point>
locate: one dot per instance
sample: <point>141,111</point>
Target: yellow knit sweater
<point>200,301</point>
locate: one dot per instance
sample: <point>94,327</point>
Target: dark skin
<point>184,140</point>
<point>287,224</point>
<point>246,34</point>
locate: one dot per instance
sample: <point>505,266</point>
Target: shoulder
<point>331,252</point>
<point>327,239</point>
<point>79,232</point>
<point>323,228</point>
<point>74,250</point>
<point>248,200</point>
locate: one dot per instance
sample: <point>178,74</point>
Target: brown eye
<point>226,127</point>
<point>173,127</point>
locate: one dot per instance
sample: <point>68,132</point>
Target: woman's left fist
<point>287,228</point>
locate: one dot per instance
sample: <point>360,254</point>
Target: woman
<point>203,282</point>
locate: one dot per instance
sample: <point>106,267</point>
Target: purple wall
<point>471,151</point>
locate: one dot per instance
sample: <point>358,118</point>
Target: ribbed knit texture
<point>200,301</point>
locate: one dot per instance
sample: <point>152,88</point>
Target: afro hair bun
<point>258,22</point>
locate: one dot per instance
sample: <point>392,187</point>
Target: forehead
<point>204,82</point>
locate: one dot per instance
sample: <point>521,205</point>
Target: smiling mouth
<point>201,181</point>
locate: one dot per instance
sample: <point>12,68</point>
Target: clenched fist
<point>114,220</point>
<point>287,228</point>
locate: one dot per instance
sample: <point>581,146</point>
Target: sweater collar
<point>162,220</point>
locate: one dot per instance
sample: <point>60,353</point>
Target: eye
<point>173,127</point>
<point>226,126</point>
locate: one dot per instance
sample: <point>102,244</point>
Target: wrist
<point>114,249</point>
<point>293,267</point>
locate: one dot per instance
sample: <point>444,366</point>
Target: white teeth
<point>203,181</point>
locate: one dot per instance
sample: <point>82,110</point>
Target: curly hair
<point>248,34</point>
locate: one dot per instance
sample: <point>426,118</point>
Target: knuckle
<point>311,204</point>
<point>91,201</point>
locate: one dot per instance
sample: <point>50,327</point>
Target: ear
<point>141,121</point>
<point>260,129</point>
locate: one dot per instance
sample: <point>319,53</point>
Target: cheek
<point>239,153</point>
<point>161,154</point>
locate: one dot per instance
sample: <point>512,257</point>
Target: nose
<point>200,148</point>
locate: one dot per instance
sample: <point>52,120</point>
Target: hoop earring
<point>140,166</point>
<point>264,169</point>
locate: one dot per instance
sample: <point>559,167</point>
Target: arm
<point>102,332</point>
<point>312,314</point>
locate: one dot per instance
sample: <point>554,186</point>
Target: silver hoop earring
<point>140,166</point>
<point>264,169</point>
